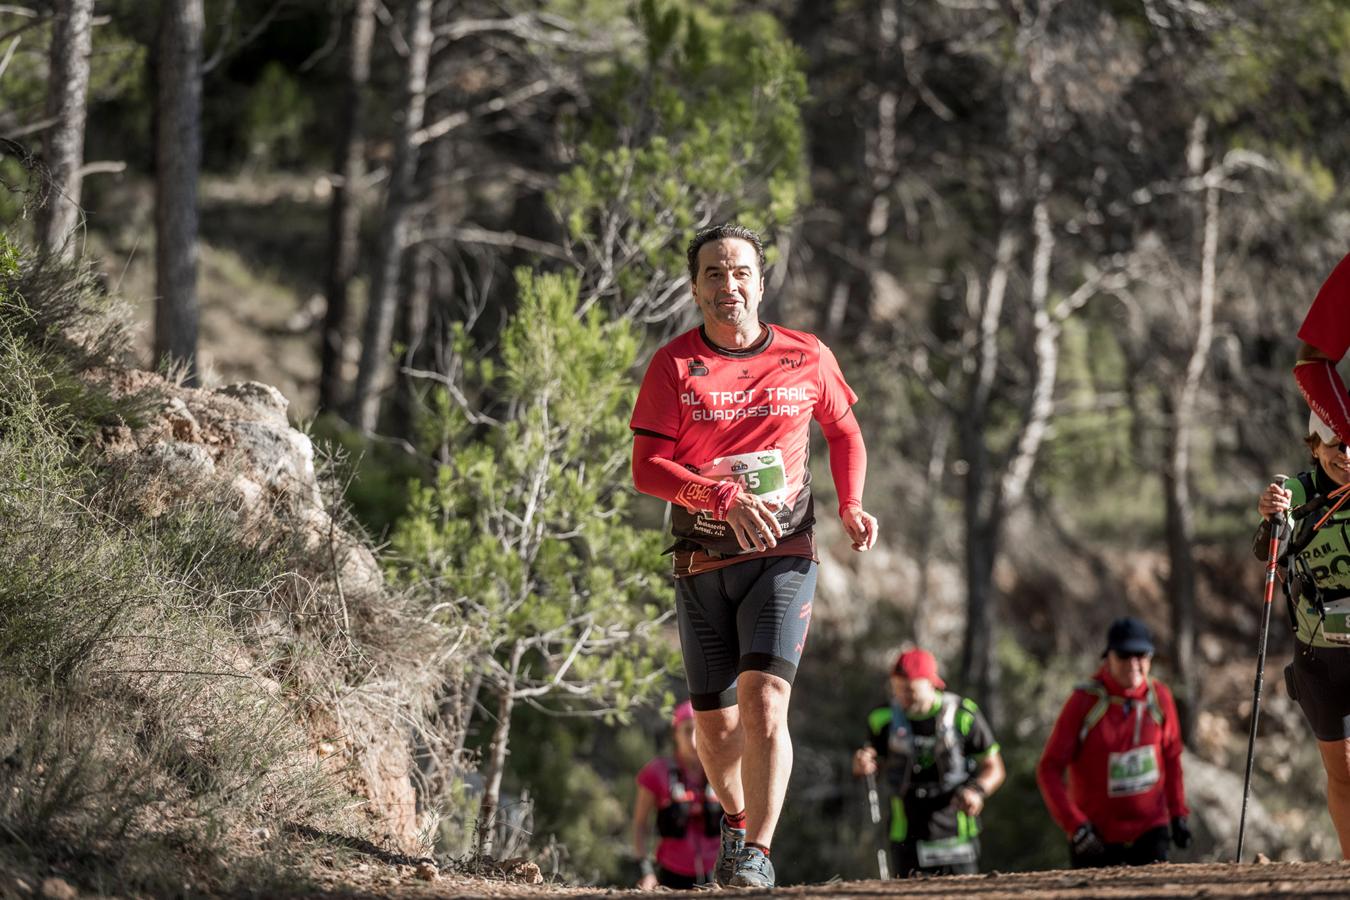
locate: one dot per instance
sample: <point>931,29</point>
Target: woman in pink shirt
<point>688,816</point>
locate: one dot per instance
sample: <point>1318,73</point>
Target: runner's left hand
<point>861,527</point>
<point>969,801</point>
<point>1181,832</point>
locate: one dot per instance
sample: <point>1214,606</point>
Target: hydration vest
<point>949,753</point>
<point>1300,583</point>
<point>1104,701</point>
<point>672,820</point>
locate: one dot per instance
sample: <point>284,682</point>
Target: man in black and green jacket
<point>941,762</point>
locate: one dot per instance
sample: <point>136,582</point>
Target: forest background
<point>1061,249</point>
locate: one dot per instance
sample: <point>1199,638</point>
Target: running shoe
<point>753,870</point>
<point>733,842</point>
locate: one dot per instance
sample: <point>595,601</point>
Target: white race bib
<point>1132,772</point>
<point>953,851</point>
<point>1336,626</point>
<point>761,473</point>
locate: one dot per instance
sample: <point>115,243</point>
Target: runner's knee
<point>718,726</point>
<point>1336,760</point>
<point>763,702</point>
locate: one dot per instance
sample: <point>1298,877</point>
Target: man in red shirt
<point>1325,334</point>
<point>721,430</point>
<point>1118,738</point>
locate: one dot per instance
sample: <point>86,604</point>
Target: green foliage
<point>520,536</point>
<point>694,131</point>
<point>277,114</point>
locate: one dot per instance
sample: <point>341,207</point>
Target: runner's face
<point>916,695</point>
<point>1129,670</point>
<point>729,284</point>
<point>1334,461</point>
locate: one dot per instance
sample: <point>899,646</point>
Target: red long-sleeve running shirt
<point>1110,760</point>
<point>711,422</point>
<point>1327,327</point>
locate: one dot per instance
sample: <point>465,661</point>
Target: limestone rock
<point>522,870</point>
<point>57,889</point>
<point>262,400</point>
<point>181,463</point>
<point>1215,798</point>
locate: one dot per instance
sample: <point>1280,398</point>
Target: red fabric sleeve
<point>835,396</point>
<point>1325,392</point>
<point>1171,751</point>
<point>655,473</point>
<point>1327,325</point>
<point>1055,759</point>
<point>848,459</point>
<point>657,408</point>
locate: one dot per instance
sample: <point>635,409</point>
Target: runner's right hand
<point>1274,499</point>
<point>753,522</point>
<point>864,762</point>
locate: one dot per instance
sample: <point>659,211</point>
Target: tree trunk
<point>177,162</point>
<point>496,763</point>
<point>375,346</point>
<point>1177,471</point>
<point>63,146</point>
<point>928,530</point>
<point>982,511</point>
<point>344,216</point>
<point>412,330</point>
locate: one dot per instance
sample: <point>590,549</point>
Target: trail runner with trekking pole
<point>1315,565</point>
<point>941,762</point>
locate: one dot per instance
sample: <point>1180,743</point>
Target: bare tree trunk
<point>344,216</point>
<point>63,146</point>
<point>412,331</point>
<point>928,532</point>
<point>853,294</point>
<point>1177,473</point>
<point>498,750</point>
<point>981,496</point>
<point>177,163</point>
<point>375,345</point>
<point>980,663</point>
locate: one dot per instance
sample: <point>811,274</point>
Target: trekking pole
<point>1272,558</point>
<point>874,803</point>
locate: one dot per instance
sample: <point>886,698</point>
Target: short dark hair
<point>722,233</point>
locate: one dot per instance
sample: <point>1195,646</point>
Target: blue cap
<point>1129,635</point>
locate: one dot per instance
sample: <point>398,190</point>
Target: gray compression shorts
<point>748,617</point>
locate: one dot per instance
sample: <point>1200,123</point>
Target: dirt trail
<point>1314,879</point>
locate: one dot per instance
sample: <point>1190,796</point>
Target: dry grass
<point>180,689</point>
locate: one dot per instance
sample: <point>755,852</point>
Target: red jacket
<point>1139,804</point>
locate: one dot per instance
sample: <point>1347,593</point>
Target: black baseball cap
<point>1128,635</point>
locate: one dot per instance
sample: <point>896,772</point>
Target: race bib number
<point>953,851</point>
<point>762,473</point>
<point>1132,772</point>
<point>1336,627</point>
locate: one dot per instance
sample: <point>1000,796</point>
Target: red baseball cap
<point>918,663</point>
<point>683,713</point>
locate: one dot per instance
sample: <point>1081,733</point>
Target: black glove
<point>1181,832</point>
<point>1086,842</point>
